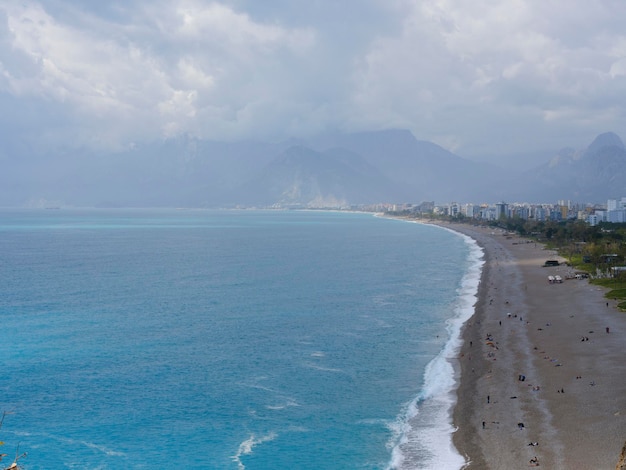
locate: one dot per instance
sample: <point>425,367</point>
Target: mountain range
<point>333,170</point>
<point>593,174</point>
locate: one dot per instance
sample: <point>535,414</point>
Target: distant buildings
<point>503,210</point>
<point>613,212</point>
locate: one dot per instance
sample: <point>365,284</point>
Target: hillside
<point>593,174</point>
<point>326,171</point>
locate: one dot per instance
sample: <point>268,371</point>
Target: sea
<point>230,339</point>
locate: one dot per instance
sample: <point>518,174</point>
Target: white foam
<point>324,369</point>
<point>422,435</point>
<point>282,406</point>
<point>246,447</point>
<point>103,449</point>
<point>74,442</point>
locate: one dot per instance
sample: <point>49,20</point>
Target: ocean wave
<point>103,449</point>
<point>422,434</point>
<point>247,446</point>
<point>68,441</point>
<point>289,404</point>
<point>325,369</point>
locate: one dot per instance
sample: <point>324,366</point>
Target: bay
<point>220,339</point>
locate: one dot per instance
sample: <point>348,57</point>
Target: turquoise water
<point>229,339</point>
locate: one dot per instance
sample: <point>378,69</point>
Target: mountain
<point>593,174</point>
<point>394,166</point>
<point>334,178</point>
<point>177,172</point>
<point>331,170</point>
<point>368,167</point>
<point>426,170</point>
<point>604,141</point>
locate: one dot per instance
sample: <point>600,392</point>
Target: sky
<point>484,79</point>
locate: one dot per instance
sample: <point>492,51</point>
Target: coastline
<point>428,436</point>
<point>572,401</point>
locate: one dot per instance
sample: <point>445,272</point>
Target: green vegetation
<point>599,251</point>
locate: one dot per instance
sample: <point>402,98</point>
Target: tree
<point>14,465</point>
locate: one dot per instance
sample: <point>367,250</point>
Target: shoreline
<point>569,411</point>
<point>433,429</point>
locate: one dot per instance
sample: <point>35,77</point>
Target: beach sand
<point>572,401</point>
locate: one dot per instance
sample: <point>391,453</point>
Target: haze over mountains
<point>333,170</point>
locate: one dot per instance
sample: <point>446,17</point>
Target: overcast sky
<point>481,78</point>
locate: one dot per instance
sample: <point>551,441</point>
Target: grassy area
<point>616,285</point>
<point>617,290</point>
<point>586,248</point>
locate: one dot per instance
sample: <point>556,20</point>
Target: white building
<point>615,204</point>
<point>615,210</point>
<point>470,210</point>
<point>540,214</point>
<point>616,216</point>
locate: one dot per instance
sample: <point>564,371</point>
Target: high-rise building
<point>501,210</point>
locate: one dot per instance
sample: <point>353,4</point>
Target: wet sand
<point>571,402</point>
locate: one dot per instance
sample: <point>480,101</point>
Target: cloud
<point>482,78</point>
<point>149,78</point>
<point>465,72</point>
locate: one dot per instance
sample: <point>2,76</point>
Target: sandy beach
<point>542,365</point>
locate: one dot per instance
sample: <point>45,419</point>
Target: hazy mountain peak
<point>330,171</point>
<point>299,153</point>
<point>608,139</point>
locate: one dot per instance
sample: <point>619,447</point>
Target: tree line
<point>584,246</point>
